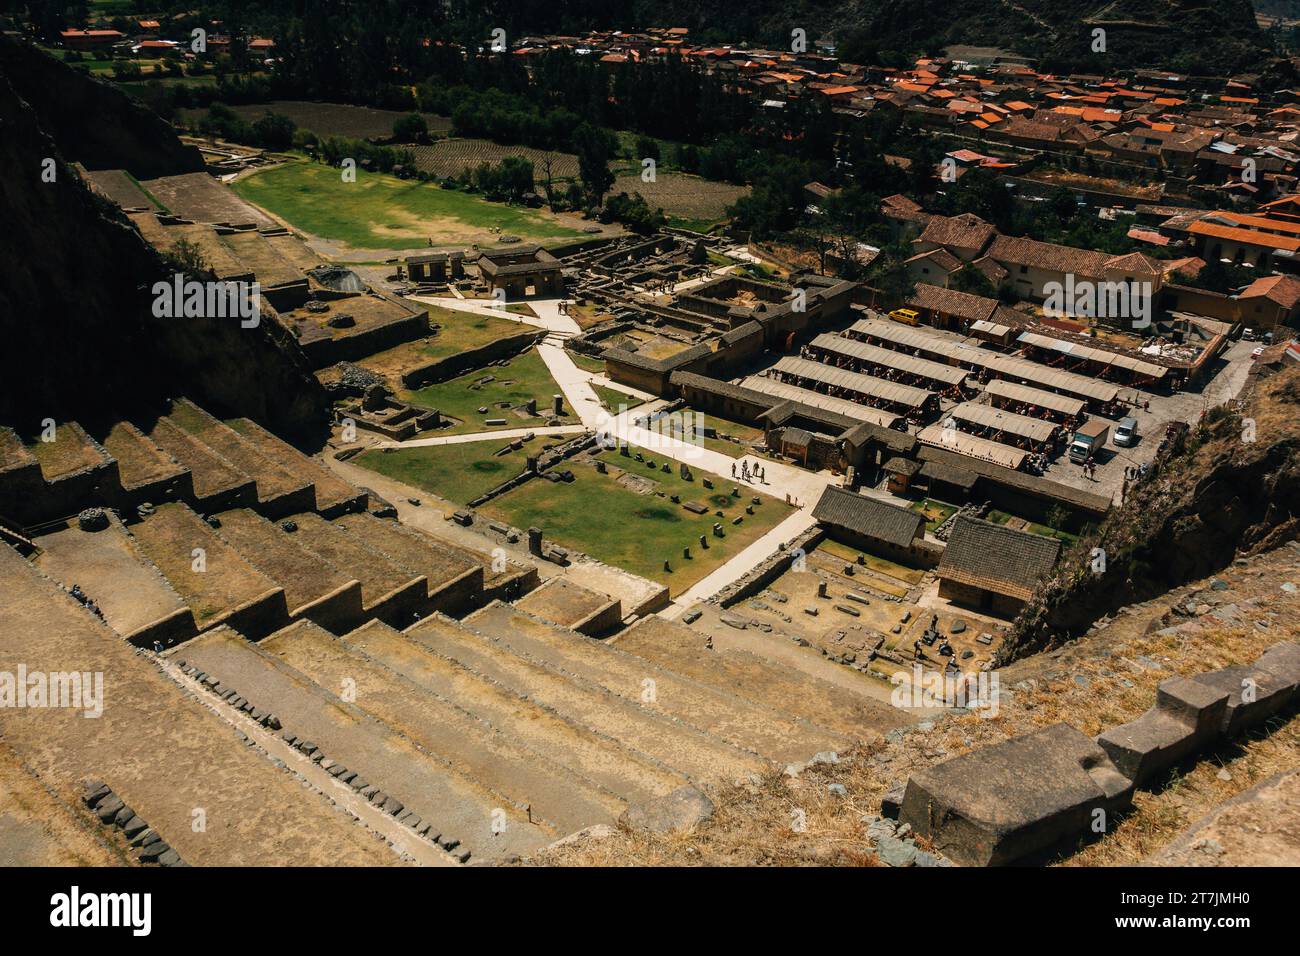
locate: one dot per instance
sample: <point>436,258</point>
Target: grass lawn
<point>635,531</point>
<point>457,473</point>
<point>732,449</point>
<point>612,398</point>
<point>936,512</point>
<point>1002,517</point>
<point>383,212</point>
<point>588,363</point>
<point>525,376</point>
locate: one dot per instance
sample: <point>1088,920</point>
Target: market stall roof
<point>806,396</point>
<point>982,449</point>
<point>905,395</point>
<point>913,365</point>
<point>1070,407</point>
<point>986,416</point>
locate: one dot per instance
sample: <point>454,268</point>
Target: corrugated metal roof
<point>806,396</point>
<point>1088,352</point>
<point>986,416</point>
<point>968,353</point>
<point>868,385</point>
<point>990,328</point>
<point>1035,396</point>
<point>911,364</point>
<point>972,446</point>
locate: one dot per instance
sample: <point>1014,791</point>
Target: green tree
<point>595,147</point>
<point>411,129</point>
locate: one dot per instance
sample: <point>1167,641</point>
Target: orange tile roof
<point>1244,236</point>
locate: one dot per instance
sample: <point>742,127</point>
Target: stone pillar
<point>557,404</point>
<point>535,541</point>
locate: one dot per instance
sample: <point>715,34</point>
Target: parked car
<point>1126,432</point>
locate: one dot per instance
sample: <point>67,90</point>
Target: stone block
<point>1254,695</point>
<point>1187,716</point>
<point>1024,796</point>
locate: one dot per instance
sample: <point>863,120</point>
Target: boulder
<point>684,808</point>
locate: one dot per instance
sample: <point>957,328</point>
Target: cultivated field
<point>681,196</point>
<point>328,119</point>
<point>379,212</point>
<point>452,156</point>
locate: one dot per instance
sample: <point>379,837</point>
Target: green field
<point>594,513</point>
<point>523,377</point>
<point>635,531</point>
<point>456,473</point>
<point>936,512</point>
<point>1065,537</point>
<point>613,399</point>
<point>384,212</point>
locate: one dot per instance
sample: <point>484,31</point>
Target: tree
<point>274,131</point>
<point>411,129</point>
<point>969,279</point>
<point>594,146</point>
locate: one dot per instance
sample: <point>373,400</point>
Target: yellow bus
<point>906,316</point>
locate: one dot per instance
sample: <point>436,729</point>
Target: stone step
<point>455,579</point>
<point>110,569</point>
<point>596,757</point>
<point>146,471</point>
<point>313,587</point>
<point>755,727</point>
<point>457,807</point>
<point>389,591</point>
<point>217,483</point>
<point>455,729</point>
<point>218,585</point>
<point>333,495</point>
<point>657,736</point>
<point>756,679</point>
<point>279,492</point>
<point>160,747</point>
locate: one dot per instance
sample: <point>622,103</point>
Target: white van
<point>1126,432</point>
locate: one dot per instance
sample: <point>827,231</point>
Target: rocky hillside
<point>1229,485</point>
<point>75,278</point>
<point>90,119</point>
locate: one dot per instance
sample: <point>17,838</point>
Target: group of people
<point>86,601</point>
<point>757,474</point>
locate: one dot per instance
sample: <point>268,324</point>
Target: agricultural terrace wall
<point>326,351</point>
<point>462,362</point>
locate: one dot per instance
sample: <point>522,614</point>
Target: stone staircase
<point>502,733</point>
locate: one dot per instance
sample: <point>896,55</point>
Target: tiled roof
<point>870,517</point>
<point>966,231</point>
<point>997,558</point>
